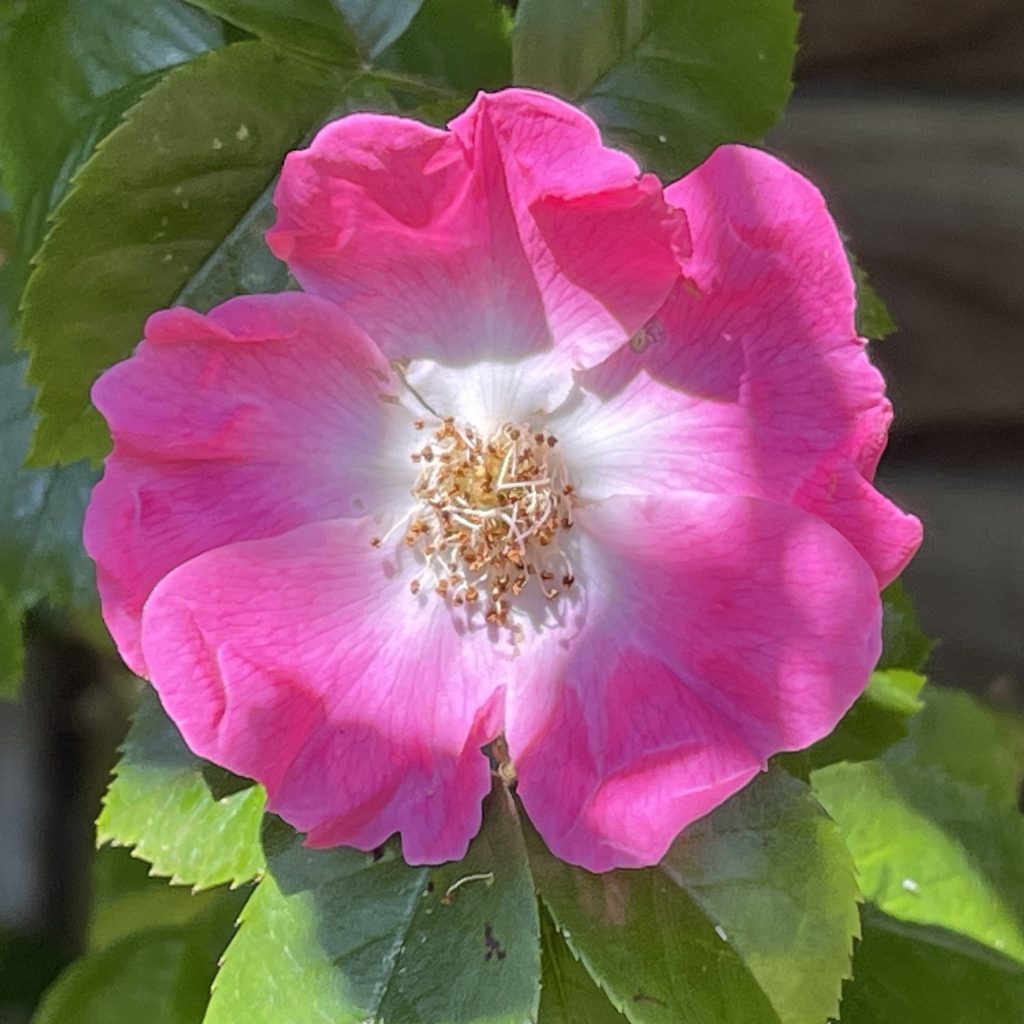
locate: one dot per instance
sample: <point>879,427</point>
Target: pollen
<point>490,517</point>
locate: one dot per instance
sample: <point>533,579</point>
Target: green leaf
<point>919,975</point>
<point>333,30</point>
<point>369,938</point>
<point>749,917</point>
<point>903,644</point>
<point>316,28</point>
<point>41,555</point>
<point>126,900</point>
<point>152,206</point>
<point>160,975</point>
<point>242,264</point>
<point>667,79</point>
<point>457,44</point>
<point>874,321</point>
<point>12,647</point>
<point>880,718</point>
<point>968,741</point>
<point>568,995</point>
<point>159,804</point>
<point>157,976</point>
<point>930,849</point>
<point>74,66</point>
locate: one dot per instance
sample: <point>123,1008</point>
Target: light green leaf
<point>160,804</point>
<point>749,917</point>
<point>667,79</point>
<point>915,975</point>
<point>333,30</point>
<point>874,321</point>
<point>68,69</point>
<point>968,741</point>
<point>369,938</point>
<point>930,849</point>
<point>148,211</point>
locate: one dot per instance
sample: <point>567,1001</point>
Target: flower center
<point>491,513</point>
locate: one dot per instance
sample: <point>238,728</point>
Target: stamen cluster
<point>490,515</point>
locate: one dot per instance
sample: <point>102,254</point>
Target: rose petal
<point>514,231</point>
<point>720,630</point>
<point>305,662</point>
<point>759,334</point>
<point>886,537</point>
<point>244,423</point>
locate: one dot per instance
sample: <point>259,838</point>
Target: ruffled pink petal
<point>247,422</point>
<point>512,232</point>
<point>305,662</point>
<point>761,330</point>
<point>719,630</point>
<point>886,536</point>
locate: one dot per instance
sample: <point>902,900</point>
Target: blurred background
<point>909,114</point>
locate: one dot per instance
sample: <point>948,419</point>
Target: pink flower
<point>544,451</point>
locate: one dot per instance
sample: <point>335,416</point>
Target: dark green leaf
<point>126,900</point>
<point>41,556</point>
<point>568,995</point>
<point>915,975</point>
<point>880,718</point>
<point>241,265</point>
<point>160,975</point>
<point>377,23</point>
<point>930,849</point>
<point>148,211</point>
<point>904,645</point>
<point>459,44</point>
<point>369,938</point>
<point>749,917</point>
<point>68,70</point>
<point>333,30</point>
<point>313,27</point>
<point>12,646</point>
<point>221,782</point>
<point>667,79</point>
<point>159,804</point>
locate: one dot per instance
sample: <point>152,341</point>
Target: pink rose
<point>545,451</point>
